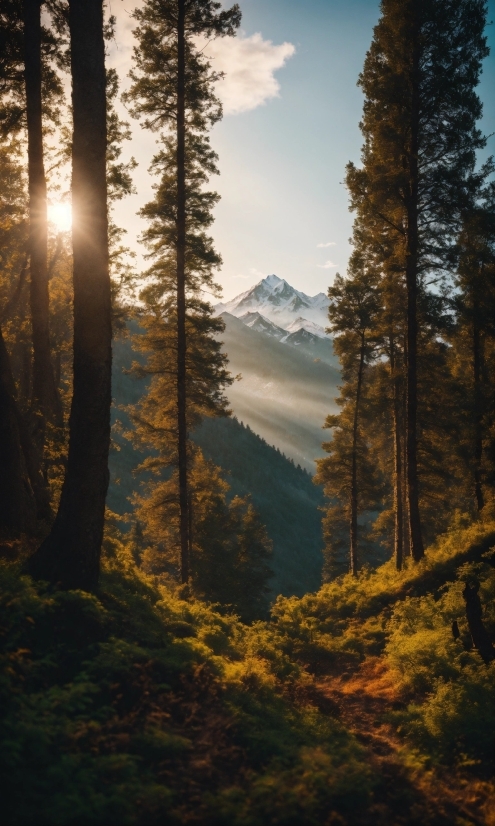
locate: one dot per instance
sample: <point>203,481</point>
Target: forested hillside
<point>283,493</point>
<point>194,629</point>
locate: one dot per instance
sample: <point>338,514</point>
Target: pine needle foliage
<point>417,197</point>
<point>172,90</point>
<point>347,474</point>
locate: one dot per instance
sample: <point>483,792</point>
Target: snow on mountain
<point>302,323</point>
<point>262,325</point>
<point>275,300</point>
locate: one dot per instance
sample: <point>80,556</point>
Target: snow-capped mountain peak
<point>310,327</point>
<point>272,280</point>
<point>262,325</point>
<point>275,300</point>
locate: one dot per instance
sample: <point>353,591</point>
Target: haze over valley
<point>275,339</point>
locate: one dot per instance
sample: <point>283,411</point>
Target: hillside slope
<point>283,494</point>
<point>355,706</point>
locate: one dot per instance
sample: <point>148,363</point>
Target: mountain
<point>302,323</point>
<point>258,322</point>
<point>287,388</point>
<point>283,493</point>
<point>275,309</point>
<point>277,301</point>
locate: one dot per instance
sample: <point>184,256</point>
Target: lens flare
<point>60,214</point>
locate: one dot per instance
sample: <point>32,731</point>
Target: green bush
<point>455,720</point>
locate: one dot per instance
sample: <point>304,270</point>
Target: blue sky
<point>282,162</point>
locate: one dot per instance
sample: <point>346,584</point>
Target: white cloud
<point>328,265</point>
<point>249,64</point>
<point>239,276</point>
<point>256,272</point>
<point>328,244</point>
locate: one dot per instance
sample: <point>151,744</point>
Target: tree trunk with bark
<point>17,503</point>
<point>354,484</point>
<point>45,397</point>
<point>474,614</point>
<point>181,299</point>
<point>412,248</point>
<point>478,407</point>
<point>398,485</point>
<point>70,556</point>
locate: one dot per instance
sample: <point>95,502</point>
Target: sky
<point>291,123</point>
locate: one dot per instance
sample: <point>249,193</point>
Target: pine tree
<point>173,89</point>
<point>70,555</point>
<point>46,399</point>
<point>354,305</point>
<point>419,125</point>
<point>474,340</point>
<point>21,476</point>
<point>229,547</point>
<point>32,91</point>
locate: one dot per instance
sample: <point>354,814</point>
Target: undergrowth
<point>406,618</point>
<point>137,706</point>
<point>134,706</point>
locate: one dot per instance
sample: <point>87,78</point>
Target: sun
<point>60,214</point>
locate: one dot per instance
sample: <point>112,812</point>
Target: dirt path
<point>407,792</point>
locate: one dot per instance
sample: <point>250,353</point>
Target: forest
<point>193,629</point>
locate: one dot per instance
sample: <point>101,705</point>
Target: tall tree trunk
<point>70,556</point>
<point>412,246</point>
<point>474,614</point>
<point>398,519</point>
<point>21,433</point>
<point>17,503</point>
<point>478,407</point>
<point>406,536</point>
<point>181,297</point>
<point>46,400</point>
<point>354,486</point>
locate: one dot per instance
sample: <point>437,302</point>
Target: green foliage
<point>282,493</point>
<point>456,719</point>
<point>376,613</point>
<point>230,550</point>
<point>420,200</point>
<point>134,706</point>
<point>348,473</point>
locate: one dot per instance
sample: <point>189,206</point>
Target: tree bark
<point>478,411</point>
<point>29,459</point>
<point>45,397</point>
<point>354,486</point>
<point>412,247</point>
<point>181,298</point>
<point>406,537</point>
<point>17,503</point>
<point>474,614</point>
<point>398,519</point>
<point>70,556</point>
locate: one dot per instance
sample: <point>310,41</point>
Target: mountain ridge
<point>276,300</point>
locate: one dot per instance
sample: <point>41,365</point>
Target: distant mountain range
<point>286,389</point>
<point>275,338</point>
<point>273,299</point>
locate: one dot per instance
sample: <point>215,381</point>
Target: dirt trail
<point>407,792</point>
